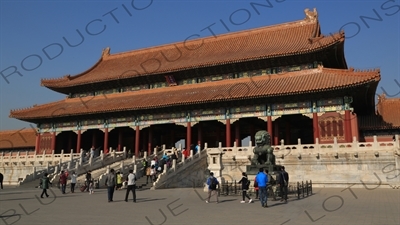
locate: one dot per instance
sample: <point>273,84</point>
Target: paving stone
<point>187,206</point>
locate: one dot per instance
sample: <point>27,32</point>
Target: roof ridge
<point>286,25</point>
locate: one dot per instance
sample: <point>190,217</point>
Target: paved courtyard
<point>187,206</point>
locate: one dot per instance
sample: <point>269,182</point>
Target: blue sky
<point>28,27</point>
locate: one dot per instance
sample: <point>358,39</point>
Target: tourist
<point>148,174</point>
<point>92,153</point>
<point>245,186</point>
<point>269,185</point>
<point>110,184</point>
<point>262,181</point>
<point>131,186</point>
<point>44,184</point>
<point>73,182</point>
<point>153,173</point>
<point>145,165</point>
<point>88,179</point>
<point>197,149</point>
<point>63,182</point>
<point>1,180</point>
<point>283,182</point>
<point>91,187</point>
<point>256,187</point>
<point>119,181</point>
<point>212,183</point>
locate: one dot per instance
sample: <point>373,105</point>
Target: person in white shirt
<point>131,186</point>
<point>73,182</point>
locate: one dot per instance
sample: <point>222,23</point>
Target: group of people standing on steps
<point>262,185</point>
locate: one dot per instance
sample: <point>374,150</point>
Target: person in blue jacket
<point>262,181</point>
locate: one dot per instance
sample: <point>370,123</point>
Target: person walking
<point>1,180</point>
<point>73,181</point>
<point>262,181</point>
<point>283,183</point>
<point>110,184</point>
<point>131,186</point>
<point>44,183</point>
<point>245,186</point>
<point>212,183</point>
<point>270,190</point>
<point>63,181</point>
<point>88,179</point>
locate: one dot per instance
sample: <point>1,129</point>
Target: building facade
<point>288,79</point>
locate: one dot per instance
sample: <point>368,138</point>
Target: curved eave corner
<point>54,83</point>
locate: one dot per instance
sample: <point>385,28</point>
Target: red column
<point>347,125</point>
<point>315,127</point>
<point>137,139</point>
<point>228,133</point>
<point>276,133</point>
<point>78,142</point>
<point>94,140</point>
<point>199,134</point>
<point>120,140</point>
<point>53,141</point>
<point>237,134</point>
<point>269,127</point>
<point>188,135</point>
<point>105,140</point>
<point>37,144</point>
<point>149,141</point>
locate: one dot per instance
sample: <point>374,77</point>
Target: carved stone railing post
<point>71,157</point>
<point>155,151</point>
<point>375,144</point>
<point>335,144</point>
<point>124,151</point>
<point>174,164</point>
<point>34,172</point>
<point>135,169</point>
<point>122,167</point>
<point>165,168</point>
<point>133,159</point>
<point>102,155</point>
<point>317,144</point>
<point>180,146</point>
<point>145,155</point>
<point>191,153</point>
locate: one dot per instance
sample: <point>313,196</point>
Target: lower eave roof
<point>23,138</point>
<point>292,83</point>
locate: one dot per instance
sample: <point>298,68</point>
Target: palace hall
<point>289,79</point>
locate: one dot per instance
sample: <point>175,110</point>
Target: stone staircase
<point>190,172</point>
<point>123,166</point>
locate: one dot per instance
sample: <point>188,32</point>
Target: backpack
<point>213,183</point>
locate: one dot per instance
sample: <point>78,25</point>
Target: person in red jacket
<point>63,182</point>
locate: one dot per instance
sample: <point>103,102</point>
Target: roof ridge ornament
<point>106,52</point>
<point>311,16</point>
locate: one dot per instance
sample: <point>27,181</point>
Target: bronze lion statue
<point>263,152</point>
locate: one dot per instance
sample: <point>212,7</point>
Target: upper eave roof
<point>293,38</point>
<point>292,83</point>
